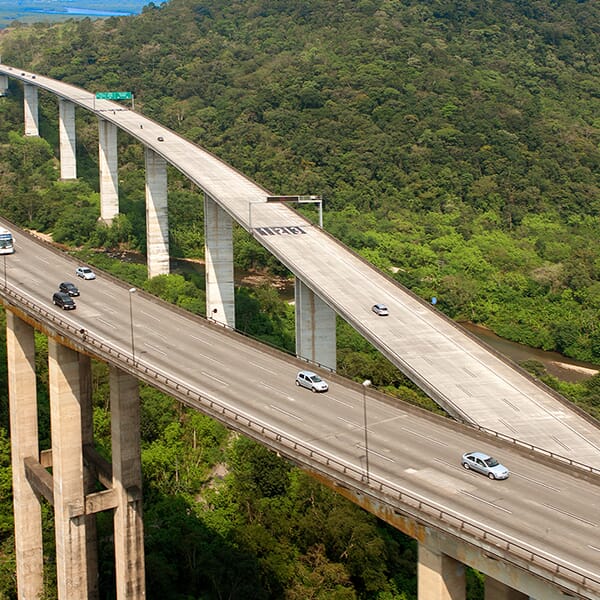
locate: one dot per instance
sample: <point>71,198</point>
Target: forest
<point>456,146</point>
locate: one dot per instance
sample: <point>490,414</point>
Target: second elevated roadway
<point>457,371</point>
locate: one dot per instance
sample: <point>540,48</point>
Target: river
<point>555,364</point>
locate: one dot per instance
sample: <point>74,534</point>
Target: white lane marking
<point>506,510</point>
<point>537,481</point>
<point>208,357</point>
<point>346,404</point>
<point>373,453</point>
<point>594,548</point>
<point>258,366</point>
<point>276,390</point>
<point>107,323</point>
<point>155,348</point>
<point>285,412</point>
<point>214,378</point>
<point>355,425</point>
<point>150,316</point>
<point>570,514</point>
<point>426,437</point>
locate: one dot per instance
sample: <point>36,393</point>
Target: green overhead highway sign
<point>113,95</point>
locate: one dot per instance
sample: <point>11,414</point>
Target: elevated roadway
<point>457,371</point>
<point>545,518</point>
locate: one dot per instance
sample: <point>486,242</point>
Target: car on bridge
<point>85,273</point>
<point>311,381</point>
<point>68,288</point>
<point>64,301</point>
<point>483,463</point>
<point>380,309</point>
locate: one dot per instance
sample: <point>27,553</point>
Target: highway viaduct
<point>552,425</point>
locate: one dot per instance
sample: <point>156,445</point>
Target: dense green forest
<point>456,145</point>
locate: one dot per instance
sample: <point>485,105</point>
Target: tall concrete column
<point>30,93</point>
<point>109,171</point>
<point>218,251</point>
<point>315,327</point>
<point>67,470</point>
<point>3,85</point>
<point>89,479</point>
<point>127,484</point>
<point>24,443</point>
<point>439,577</point>
<point>157,220</point>
<point>496,590</point>
<point>66,129</point>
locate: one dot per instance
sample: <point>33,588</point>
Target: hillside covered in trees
<point>456,145</point>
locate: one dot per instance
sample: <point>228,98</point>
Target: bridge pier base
<point>3,85</point>
<point>218,246</point>
<point>30,98</point>
<point>439,576</point>
<point>315,327</point>
<point>66,129</point>
<point>24,444</point>
<point>108,165</point>
<point>157,219</point>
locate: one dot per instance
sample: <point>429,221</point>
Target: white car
<point>312,381</point>
<point>485,464</point>
<point>380,309</point>
<point>85,273</point>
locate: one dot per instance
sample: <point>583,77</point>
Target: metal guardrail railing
<point>304,455</point>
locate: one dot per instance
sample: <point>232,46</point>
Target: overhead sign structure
<point>114,95</point>
<point>301,200</point>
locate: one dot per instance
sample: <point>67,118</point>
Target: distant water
<point>30,11</point>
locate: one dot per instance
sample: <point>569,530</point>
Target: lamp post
<point>366,383</point>
<point>131,292</point>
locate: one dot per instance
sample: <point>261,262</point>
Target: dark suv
<point>69,288</point>
<point>63,300</point>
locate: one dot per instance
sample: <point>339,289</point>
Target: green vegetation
<point>456,144</point>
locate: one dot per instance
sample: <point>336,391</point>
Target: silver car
<point>483,463</point>
<point>312,381</point>
<point>380,309</point>
<point>85,273</point>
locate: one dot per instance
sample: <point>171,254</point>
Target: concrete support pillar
<point>439,577</point>
<point>89,480</point>
<point>24,443</point>
<point>30,93</point>
<point>315,327</point>
<point>3,85</point>
<point>67,470</point>
<point>109,173</point>
<point>157,220</point>
<point>127,484</point>
<point>218,251</point>
<point>66,129</point>
<point>496,590</point>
